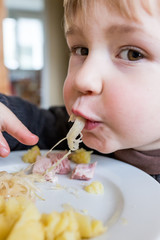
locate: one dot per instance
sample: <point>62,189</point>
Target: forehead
<point>128,9</point>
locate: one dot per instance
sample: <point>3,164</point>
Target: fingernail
<point>4,152</point>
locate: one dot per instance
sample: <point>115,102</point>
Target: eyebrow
<point>121,28</point>
<point>72,30</point>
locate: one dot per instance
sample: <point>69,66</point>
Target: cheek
<point>66,90</point>
<point>68,94</point>
<point>67,87</point>
<point>127,109</point>
<point>135,113</point>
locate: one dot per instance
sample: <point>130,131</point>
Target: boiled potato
<point>10,211</point>
<point>28,225</point>
<point>97,228</point>
<point>2,204</point>
<point>5,226</point>
<point>68,235</point>
<point>31,155</point>
<point>60,226</point>
<point>80,156</point>
<point>95,187</point>
<point>21,220</point>
<point>50,222</point>
<point>89,227</point>
<point>84,223</point>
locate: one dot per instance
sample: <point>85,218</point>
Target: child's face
<point>114,79</point>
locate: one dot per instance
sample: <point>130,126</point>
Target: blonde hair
<point>127,8</point>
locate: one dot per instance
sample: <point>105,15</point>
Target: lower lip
<point>91,125</point>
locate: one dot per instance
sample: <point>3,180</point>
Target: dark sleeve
<point>156,177</point>
<point>50,125</point>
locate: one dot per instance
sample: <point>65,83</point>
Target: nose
<point>89,77</point>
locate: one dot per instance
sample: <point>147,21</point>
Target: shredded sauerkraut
<point>19,184</point>
<point>74,132</point>
<point>72,140</point>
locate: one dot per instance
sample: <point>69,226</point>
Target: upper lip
<point>79,113</point>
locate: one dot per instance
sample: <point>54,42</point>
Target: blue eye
<point>82,51</point>
<point>131,55</point>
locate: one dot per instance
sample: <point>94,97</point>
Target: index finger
<point>13,126</point>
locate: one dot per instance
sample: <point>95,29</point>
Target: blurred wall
<point>56,54</point>
<point>4,81</point>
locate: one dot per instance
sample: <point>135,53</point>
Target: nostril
<point>89,92</point>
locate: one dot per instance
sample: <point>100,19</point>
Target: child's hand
<point>13,126</point>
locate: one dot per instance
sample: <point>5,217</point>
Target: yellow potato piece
<point>61,225</point>
<point>15,206</point>
<point>33,230</point>
<point>95,187</point>
<point>5,226</point>
<point>28,225</point>
<point>31,155</point>
<point>67,235</point>
<point>97,228</point>
<point>84,223</point>
<point>89,227</point>
<point>10,211</point>
<point>21,220</point>
<point>80,156</point>
<point>50,222</point>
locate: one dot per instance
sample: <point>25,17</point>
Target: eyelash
<point>137,51</point>
<point>75,48</point>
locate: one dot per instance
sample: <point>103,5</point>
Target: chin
<point>98,145</point>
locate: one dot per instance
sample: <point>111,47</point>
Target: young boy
<point>113,77</point>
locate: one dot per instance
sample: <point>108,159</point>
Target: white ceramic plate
<point>130,205</point>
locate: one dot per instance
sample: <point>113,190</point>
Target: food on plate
<point>62,225</point>
<point>31,155</point>
<point>95,187</point>
<point>70,225</point>
<point>47,164</point>
<point>89,227</point>
<point>54,162</point>
<point>18,184</point>
<point>72,136</point>
<point>40,167</point>
<point>75,131</point>
<point>28,225</point>
<point>64,166</point>
<point>81,156</point>
<point>57,163</point>
<point>20,219</point>
<point>84,171</point>
<point>19,216</point>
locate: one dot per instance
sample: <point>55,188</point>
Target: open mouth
<point>91,124</point>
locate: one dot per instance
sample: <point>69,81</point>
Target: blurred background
<point>33,50</point>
